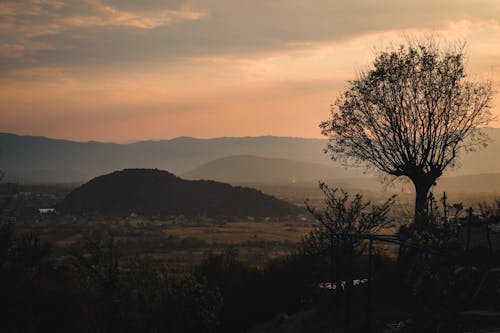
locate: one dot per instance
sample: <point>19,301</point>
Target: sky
<point>123,70</point>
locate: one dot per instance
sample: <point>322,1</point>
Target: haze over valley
<point>257,160</point>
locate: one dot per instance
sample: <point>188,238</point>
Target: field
<point>181,242</point>
<point>178,242</point>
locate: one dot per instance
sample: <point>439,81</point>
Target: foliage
<point>431,237</point>
<point>96,262</point>
<point>141,294</point>
<point>255,295</point>
<point>6,241</point>
<point>490,211</point>
<point>159,300</point>
<point>93,288</point>
<point>437,232</point>
<point>96,290</point>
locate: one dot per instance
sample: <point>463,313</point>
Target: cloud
<point>39,17</point>
<point>109,33</point>
<point>232,67</point>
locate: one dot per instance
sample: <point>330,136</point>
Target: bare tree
<point>411,114</point>
<point>345,216</point>
<point>340,221</point>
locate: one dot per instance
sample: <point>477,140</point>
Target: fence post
<point>469,222</point>
<point>332,268</point>
<point>349,282</point>
<point>369,300</point>
<point>338,283</point>
<point>488,237</point>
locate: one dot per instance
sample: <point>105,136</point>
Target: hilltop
<point>156,192</point>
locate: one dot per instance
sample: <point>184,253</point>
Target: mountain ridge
<point>41,159</point>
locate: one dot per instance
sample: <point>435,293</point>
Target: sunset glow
<point>126,70</point>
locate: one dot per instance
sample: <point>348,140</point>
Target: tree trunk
<point>422,187</point>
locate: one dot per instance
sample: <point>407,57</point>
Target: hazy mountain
<point>39,159</point>
<point>156,192</point>
<point>246,168</point>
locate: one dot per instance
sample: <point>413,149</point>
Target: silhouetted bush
<point>95,290</point>
<point>255,295</point>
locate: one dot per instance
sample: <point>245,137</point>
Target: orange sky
<point>127,70</point>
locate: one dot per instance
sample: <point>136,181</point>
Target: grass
<point>180,242</point>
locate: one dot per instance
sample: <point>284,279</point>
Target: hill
<point>247,168</point>
<point>155,192</point>
<point>39,159</point>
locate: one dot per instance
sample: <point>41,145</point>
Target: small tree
<point>345,216</point>
<point>341,221</point>
<point>411,114</point>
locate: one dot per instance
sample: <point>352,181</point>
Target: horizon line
<point>134,141</point>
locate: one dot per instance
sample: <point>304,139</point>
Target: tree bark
<point>422,187</point>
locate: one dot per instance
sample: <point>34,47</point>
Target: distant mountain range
<point>156,192</point>
<point>254,169</point>
<point>39,159</point>
<point>44,160</point>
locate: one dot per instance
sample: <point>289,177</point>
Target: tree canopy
<point>410,114</point>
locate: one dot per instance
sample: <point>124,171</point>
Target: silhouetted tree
<point>341,222</point>
<point>345,216</point>
<point>411,114</point>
